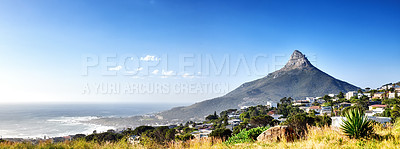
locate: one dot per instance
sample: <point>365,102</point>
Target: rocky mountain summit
<point>297,61</point>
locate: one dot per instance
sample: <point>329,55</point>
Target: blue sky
<point>43,42</point>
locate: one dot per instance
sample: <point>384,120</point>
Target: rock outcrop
<point>276,134</point>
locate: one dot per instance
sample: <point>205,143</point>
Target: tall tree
<point>262,121</point>
<point>340,95</point>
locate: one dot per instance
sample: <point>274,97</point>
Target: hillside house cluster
<point>319,106</point>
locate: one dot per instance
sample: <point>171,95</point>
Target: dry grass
<point>317,138</point>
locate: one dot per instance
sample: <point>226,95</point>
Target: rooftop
<point>315,107</point>
<point>379,106</point>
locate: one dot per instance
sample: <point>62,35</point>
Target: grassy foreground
<point>317,137</point>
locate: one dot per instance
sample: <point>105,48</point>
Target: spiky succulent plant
<point>356,124</point>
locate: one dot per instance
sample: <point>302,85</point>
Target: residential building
<point>387,86</point>
<point>369,113</point>
<point>367,94</point>
<point>315,108</point>
<point>326,109</point>
<point>302,103</point>
<point>392,95</point>
<point>359,95</point>
<point>377,107</point>
<point>234,122</point>
<point>320,101</point>
<point>345,104</point>
<point>379,95</point>
<point>244,107</point>
<point>276,116</point>
<point>202,133</point>
<point>271,104</point>
<point>273,114</point>
<point>310,99</point>
<point>331,95</point>
<point>374,102</point>
<point>350,94</point>
<point>304,108</point>
<point>234,116</point>
<point>397,88</point>
<point>172,126</point>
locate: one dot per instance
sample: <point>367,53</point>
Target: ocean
<point>54,120</point>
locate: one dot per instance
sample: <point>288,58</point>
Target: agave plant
<point>357,125</point>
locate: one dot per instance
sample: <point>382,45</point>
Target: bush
<point>160,134</point>
<point>246,136</point>
<point>240,127</point>
<point>357,125</point>
<point>141,129</point>
<point>321,121</point>
<point>299,123</point>
<point>221,133</point>
<point>184,137</point>
<point>262,121</point>
<point>104,137</point>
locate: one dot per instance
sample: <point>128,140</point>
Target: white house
<point>387,86</point>
<point>367,94</point>
<point>310,99</point>
<point>302,103</point>
<point>271,104</point>
<point>234,121</point>
<point>345,104</point>
<point>202,133</point>
<point>397,88</point>
<point>276,116</point>
<point>320,101</point>
<point>377,108</point>
<point>326,109</point>
<point>379,95</point>
<point>304,108</point>
<point>244,107</point>
<point>369,113</point>
<point>331,95</point>
<point>392,95</point>
<point>235,116</point>
<point>359,95</point>
<point>350,94</point>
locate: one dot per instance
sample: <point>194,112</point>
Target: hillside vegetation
<point>317,137</point>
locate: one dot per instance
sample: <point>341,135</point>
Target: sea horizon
<point>50,119</point>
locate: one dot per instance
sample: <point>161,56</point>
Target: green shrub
<point>221,133</point>
<point>246,136</point>
<point>184,137</point>
<point>357,125</point>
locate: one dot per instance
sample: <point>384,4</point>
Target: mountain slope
<point>297,79</point>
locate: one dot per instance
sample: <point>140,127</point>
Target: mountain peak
<point>297,60</point>
<point>290,81</point>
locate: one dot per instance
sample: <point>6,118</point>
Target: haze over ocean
<point>54,120</point>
